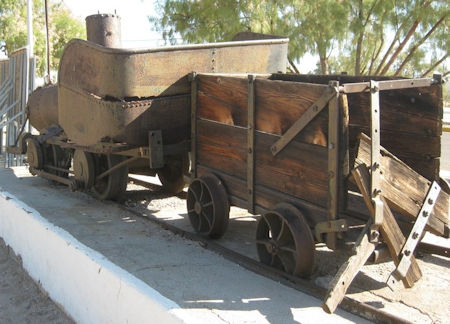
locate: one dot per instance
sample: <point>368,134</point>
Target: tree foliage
<point>378,37</point>
<point>62,27</point>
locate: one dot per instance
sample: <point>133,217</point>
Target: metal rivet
<point>415,235</point>
<point>407,252</point>
<point>430,201</point>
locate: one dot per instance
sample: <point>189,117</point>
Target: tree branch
<point>403,42</point>
<point>434,65</point>
<point>294,67</point>
<point>418,44</point>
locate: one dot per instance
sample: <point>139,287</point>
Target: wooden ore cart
<point>285,146</point>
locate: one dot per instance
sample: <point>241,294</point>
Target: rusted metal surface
<point>43,107</point>
<point>123,73</point>
<point>104,29</point>
<point>96,84</point>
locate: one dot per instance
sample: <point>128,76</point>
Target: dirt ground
<point>21,300</point>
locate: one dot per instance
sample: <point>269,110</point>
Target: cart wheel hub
<point>273,247</point>
<point>198,208</point>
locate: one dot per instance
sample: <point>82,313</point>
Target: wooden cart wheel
<point>172,174</point>
<point>208,206</point>
<point>84,169</point>
<point>284,241</point>
<point>112,186</point>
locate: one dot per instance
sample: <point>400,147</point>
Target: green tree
<point>62,25</point>
<point>381,37</point>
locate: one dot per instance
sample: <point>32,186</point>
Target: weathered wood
<point>299,170</point>
<point>265,198</point>
<point>390,230</point>
<point>405,189</point>
<point>348,271</point>
<point>416,146</point>
<point>279,105</point>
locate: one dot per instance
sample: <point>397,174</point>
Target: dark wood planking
<point>265,198</point>
<point>426,168</point>
<point>419,152</point>
<point>405,189</point>
<point>278,105</point>
<point>210,107</point>
<point>412,109</point>
<point>404,145</point>
<point>227,89</point>
<point>299,170</point>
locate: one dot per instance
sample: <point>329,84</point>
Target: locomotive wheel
<point>172,174</point>
<point>208,206</point>
<point>114,184</point>
<point>58,157</point>
<point>34,154</point>
<point>84,169</point>
<point>284,241</point>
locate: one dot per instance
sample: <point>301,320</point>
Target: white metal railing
<point>16,82</point>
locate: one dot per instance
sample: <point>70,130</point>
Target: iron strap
<point>386,85</point>
<point>333,160</point>
<point>375,157</point>
<point>250,144</point>
<point>413,239</point>
<point>194,85</point>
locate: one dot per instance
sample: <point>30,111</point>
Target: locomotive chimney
<point>104,29</point>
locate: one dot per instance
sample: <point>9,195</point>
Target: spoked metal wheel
<point>55,156</point>
<point>284,241</point>
<point>114,184</point>
<point>208,206</point>
<point>84,169</point>
<point>172,174</point>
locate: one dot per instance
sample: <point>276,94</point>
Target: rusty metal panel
<point>96,85</point>
<point>104,29</point>
<point>43,107</point>
<point>122,73</point>
<point>91,120</point>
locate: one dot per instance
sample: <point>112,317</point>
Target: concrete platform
<point>103,265</point>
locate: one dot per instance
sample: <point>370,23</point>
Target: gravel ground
<point>21,300</point>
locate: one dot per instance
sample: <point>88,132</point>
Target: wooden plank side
<point>428,168</point>
<point>406,145</point>
<point>212,108</point>
<point>280,104</point>
<point>266,198</point>
<point>408,110</point>
<point>232,90</point>
<point>299,170</point>
<point>405,189</point>
<point>390,230</point>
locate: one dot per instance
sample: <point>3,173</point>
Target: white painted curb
<point>90,288</point>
